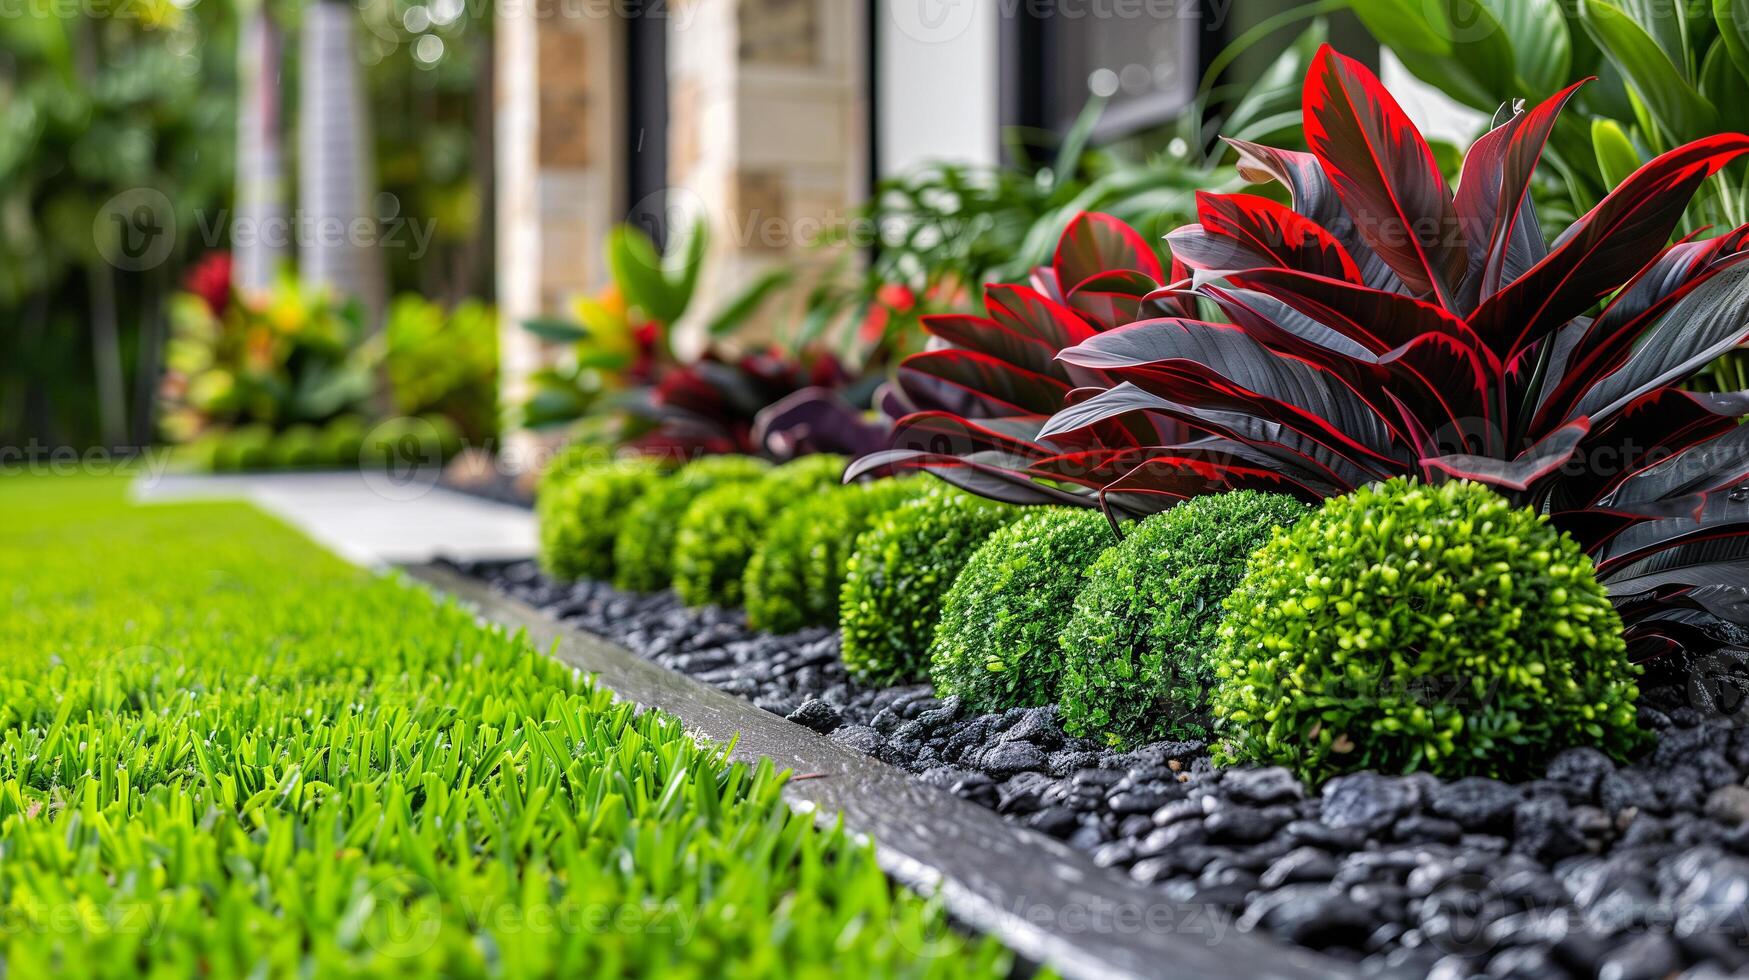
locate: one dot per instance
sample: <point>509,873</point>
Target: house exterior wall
<point>767,137</point>
<point>560,169</point>
<point>938,77</point>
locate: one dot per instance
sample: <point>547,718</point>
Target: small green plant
<point>443,363</point>
<point>996,643</point>
<point>794,578</point>
<point>293,356</point>
<point>581,509</point>
<point>724,527</point>
<point>899,570</point>
<point>409,441</point>
<point>1135,651</point>
<point>1406,627</point>
<point>643,552</point>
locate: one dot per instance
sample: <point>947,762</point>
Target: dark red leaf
<point>1516,242</point>
<point>1378,320</point>
<point>1315,197</point>
<point>1095,243</point>
<point>1385,174</point>
<point>1241,231</point>
<point>1030,313</point>
<point>998,340</point>
<point>998,387</point>
<point>1111,299</point>
<point>1553,452</point>
<point>1604,248</point>
<point>1706,322</point>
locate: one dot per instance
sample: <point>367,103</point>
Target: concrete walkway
<point>370,519</point>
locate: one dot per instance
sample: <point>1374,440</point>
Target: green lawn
<point>224,752</point>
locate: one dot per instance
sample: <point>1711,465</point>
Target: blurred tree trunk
<point>339,245</point>
<point>257,249</point>
<point>107,369</point>
<point>106,355</point>
<point>475,275</point>
<point>149,360</point>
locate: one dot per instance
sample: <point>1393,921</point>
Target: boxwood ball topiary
<point>996,644</point>
<point>794,578</point>
<point>643,552</point>
<point>1406,627</point>
<point>1135,651</point>
<point>898,573</point>
<point>580,514</point>
<point>724,527</point>
<point>552,495</point>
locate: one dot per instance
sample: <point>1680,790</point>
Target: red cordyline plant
<point>972,406</point>
<point>1385,325</point>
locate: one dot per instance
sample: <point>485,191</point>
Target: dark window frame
<point>646,116</point>
<point>1035,97</point>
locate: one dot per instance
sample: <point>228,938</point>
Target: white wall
<point>937,74</point>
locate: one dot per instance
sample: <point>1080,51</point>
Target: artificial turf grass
<point>224,751</point>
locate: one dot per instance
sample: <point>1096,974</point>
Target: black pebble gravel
<point>1595,870</point>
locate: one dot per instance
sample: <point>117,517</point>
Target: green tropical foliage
<point>1669,73</point>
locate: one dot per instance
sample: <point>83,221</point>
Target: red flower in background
<point>889,299</point>
<point>210,279</point>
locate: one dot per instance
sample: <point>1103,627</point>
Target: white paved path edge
<point>370,520</point>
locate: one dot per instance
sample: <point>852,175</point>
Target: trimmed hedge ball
<point>579,514</point>
<point>409,441</point>
<point>643,552</point>
<point>567,462</point>
<point>298,447</point>
<point>898,573</point>
<point>1135,651</point>
<point>1406,627</point>
<point>724,527</point>
<point>996,644</point>
<point>794,578</point>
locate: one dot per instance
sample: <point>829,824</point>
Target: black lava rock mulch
<point>1595,870</point>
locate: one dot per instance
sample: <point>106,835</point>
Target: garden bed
<point>1636,870</point>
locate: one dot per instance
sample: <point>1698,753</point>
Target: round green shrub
<point>899,570</point>
<point>580,513</point>
<point>297,447</point>
<point>342,441</point>
<point>996,644</point>
<point>1406,627</point>
<point>794,578</point>
<point>245,448</point>
<point>724,527</point>
<point>643,552</point>
<point>1135,650</point>
<point>569,461</point>
<point>409,442</point>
